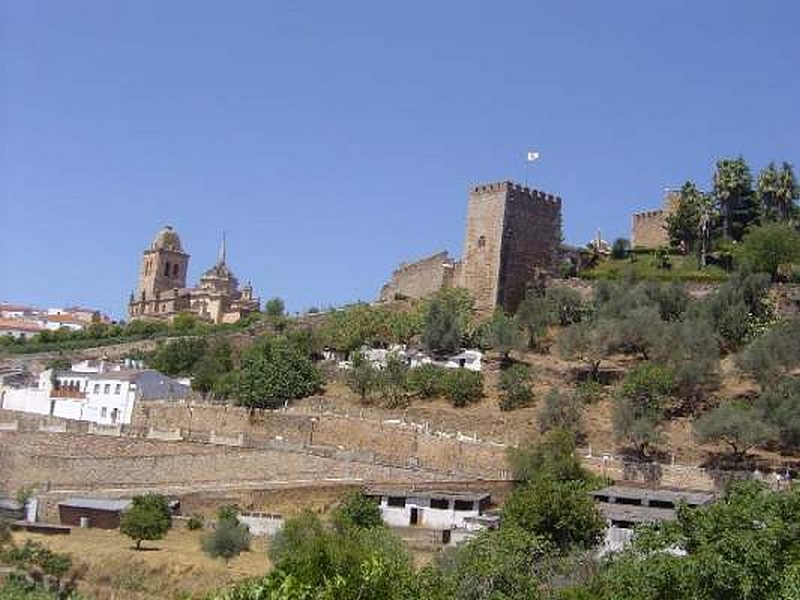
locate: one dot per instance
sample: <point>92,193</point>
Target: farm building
<point>433,509</point>
<point>624,507</point>
<point>99,512</point>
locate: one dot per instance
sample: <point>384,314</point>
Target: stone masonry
<point>649,228</point>
<point>512,232</point>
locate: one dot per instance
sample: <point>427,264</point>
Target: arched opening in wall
<point>175,270</point>
<point>482,242</point>
<point>166,269</point>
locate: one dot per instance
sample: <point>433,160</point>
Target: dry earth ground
<point>172,568</point>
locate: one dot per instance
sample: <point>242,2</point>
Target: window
<point>166,269</point>
<point>175,270</point>
<point>398,501</point>
<point>442,503</point>
<point>96,388</point>
<point>464,504</point>
<point>117,388</point>
<point>107,388</point>
<point>482,241</point>
<point>103,412</point>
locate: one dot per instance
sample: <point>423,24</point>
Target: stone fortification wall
<point>420,278</point>
<point>531,239</point>
<point>512,231</point>
<point>649,229</point>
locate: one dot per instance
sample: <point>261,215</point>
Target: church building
<point>162,292</point>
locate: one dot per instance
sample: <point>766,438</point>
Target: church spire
<point>223,249</point>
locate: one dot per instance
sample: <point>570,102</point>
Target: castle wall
<point>649,229</point>
<point>480,265</point>
<point>420,278</point>
<point>511,232</point>
<point>532,234</point>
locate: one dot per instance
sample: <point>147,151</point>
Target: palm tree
<point>733,192</point>
<point>787,192</point>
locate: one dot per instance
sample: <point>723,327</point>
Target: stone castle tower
<point>512,231</point>
<point>164,264</point>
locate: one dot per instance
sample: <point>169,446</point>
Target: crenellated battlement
<point>649,214</point>
<point>518,190</point>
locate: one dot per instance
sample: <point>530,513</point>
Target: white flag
<point>532,156</point>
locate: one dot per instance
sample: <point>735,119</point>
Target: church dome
<point>167,239</point>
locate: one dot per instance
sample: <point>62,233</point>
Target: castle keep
<point>162,293</point>
<point>512,231</point>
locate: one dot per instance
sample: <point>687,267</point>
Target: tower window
<point>482,241</point>
<point>175,270</point>
<point>166,269</point>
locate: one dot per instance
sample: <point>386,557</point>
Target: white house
<point>102,396</point>
<point>431,509</point>
<point>377,357</point>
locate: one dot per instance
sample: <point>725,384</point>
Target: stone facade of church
<point>162,292</point>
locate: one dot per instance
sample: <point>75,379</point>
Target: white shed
<point>433,509</point>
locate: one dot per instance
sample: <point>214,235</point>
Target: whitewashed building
<point>377,357</point>
<point>105,394</point>
<point>431,509</point>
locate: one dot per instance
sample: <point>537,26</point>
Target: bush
<point>426,381</point>
<point>552,455</point>
<point>561,411</point>
<point>735,424</point>
<point>780,406</point>
<point>229,539</point>
<point>274,307</point>
<point>515,387</point>
<point>361,378</point>
<point>462,386</point>
<point>357,511</point>
<point>392,381</point>
<point>561,512</point>
<point>194,523</point>
<point>639,410</point>
<point>274,370</point>
<point>148,518</point>
<point>620,248</point>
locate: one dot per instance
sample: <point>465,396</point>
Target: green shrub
<point>561,411</point>
<point>426,381</point>
<point>194,523</point>
<point>515,387</point>
<point>462,386</point>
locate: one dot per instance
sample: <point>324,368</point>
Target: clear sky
<point>331,140</point>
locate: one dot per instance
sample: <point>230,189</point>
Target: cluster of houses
<point>100,391</point>
<point>26,321</point>
<point>377,357</point>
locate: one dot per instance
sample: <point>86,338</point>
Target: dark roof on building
<point>636,514</point>
<point>96,504</point>
<point>691,497</point>
<point>400,491</point>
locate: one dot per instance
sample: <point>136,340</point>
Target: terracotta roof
<point>19,325</point>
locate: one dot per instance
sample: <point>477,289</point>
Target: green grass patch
<point>645,266</point>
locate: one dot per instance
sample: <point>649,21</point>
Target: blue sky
<point>331,140</point>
